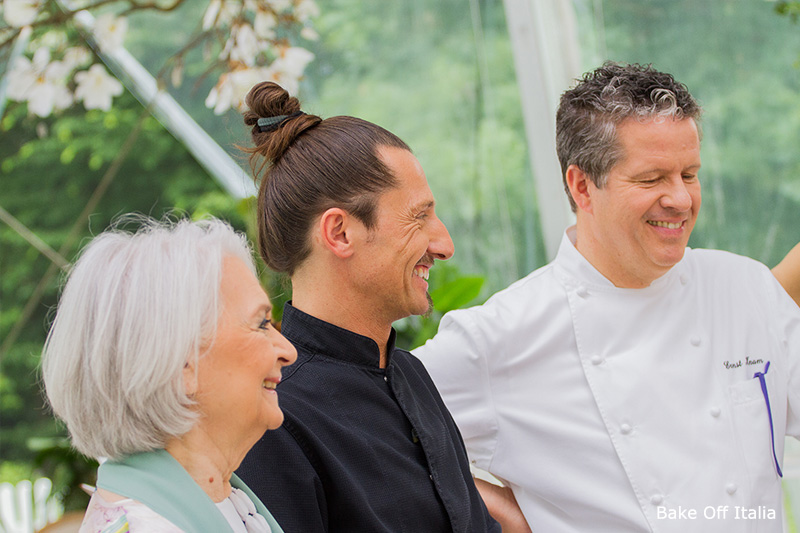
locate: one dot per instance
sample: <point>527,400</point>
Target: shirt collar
<point>575,265</point>
<point>322,337</point>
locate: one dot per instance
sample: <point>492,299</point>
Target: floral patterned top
<point>123,516</point>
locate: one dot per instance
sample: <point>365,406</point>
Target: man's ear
<point>580,187</point>
<point>336,231</point>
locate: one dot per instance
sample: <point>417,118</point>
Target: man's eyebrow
<point>425,205</point>
<point>664,171</point>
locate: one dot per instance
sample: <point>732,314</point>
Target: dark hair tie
<point>266,124</point>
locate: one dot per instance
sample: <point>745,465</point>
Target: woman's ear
<point>190,379</point>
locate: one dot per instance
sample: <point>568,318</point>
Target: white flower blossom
<point>280,5</point>
<point>309,34</point>
<point>210,16</point>
<point>305,10</point>
<point>39,82</point>
<point>233,87</point>
<point>176,76</point>
<point>54,39</point>
<point>45,97</point>
<point>110,31</point>
<point>220,13</point>
<point>76,56</point>
<point>219,98</point>
<point>22,76</point>
<point>289,83</point>
<point>288,68</point>
<point>18,13</point>
<point>246,45</point>
<point>292,61</point>
<point>264,24</point>
<point>96,88</point>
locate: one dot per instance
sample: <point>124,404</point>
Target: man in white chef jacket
<point>632,384</point>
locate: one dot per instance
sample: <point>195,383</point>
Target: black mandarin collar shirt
<point>317,336</point>
<point>361,449</point>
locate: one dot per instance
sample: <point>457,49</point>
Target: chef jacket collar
<point>580,270</point>
<point>318,336</point>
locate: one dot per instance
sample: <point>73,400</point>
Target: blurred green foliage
<point>57,460</point>
<point>450,289</point>
<point>790,9</point>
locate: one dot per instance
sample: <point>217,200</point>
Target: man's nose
<point>677,195</point>
<point>440,245</point>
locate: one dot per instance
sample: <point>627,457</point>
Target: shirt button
<point>625,429</point>
<point>716,411</point>
<point>386,379</point>
<point>596,360</point>
<point>656,499</point>
<point>684,279</point>
<point>582,291</point>
<point>730,488</point>
<point>696,341</point>
<point>430,476</point>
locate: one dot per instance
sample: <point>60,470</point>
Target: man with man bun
<point>367,445</point>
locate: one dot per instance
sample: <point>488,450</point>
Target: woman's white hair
<point>135,309</point>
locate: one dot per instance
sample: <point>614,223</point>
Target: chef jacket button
<point>695,341</point>
<point>684,279</point>
<point>625,429</point>
<point>730,488</point>
<point>582,291</point>
<point>716,411</point>
<point>596,360</point>
<point>430,476</point>
<point>386,379</point>
<point>656,499</point>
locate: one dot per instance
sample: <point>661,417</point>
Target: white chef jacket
<point>622,410</point>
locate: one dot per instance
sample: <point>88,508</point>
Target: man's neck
<point>592,251</point>
<point>344,311</point>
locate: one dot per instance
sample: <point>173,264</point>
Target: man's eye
<point>266,324</point>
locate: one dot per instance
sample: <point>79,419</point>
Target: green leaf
<point>95,162</point>
<point>26,150</point>
<point>8,122</point>
<point>110,121</point>
<point>457,293</point>
<point>63,132</point>
<point>67,155</point>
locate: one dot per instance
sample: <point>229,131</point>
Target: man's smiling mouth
<point>422,272</point>
<point>668,225</point>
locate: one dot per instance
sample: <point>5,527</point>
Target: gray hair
<point>589,113</point>
<point>135,309</point>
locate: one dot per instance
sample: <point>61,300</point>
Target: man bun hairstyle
<point>589,113</point>
<point>307,165</point>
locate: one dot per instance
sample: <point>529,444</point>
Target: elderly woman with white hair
<point>163,359</point>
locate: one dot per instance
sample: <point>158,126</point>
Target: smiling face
<point>635,228</point>
<point>236,377</point>
<point>402,246</point>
